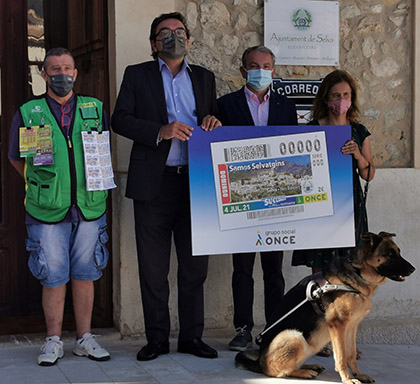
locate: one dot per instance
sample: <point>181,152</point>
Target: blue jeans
<point>67,250</point>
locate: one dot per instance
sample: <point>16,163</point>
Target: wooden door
<point>20,304</point>
<point>87,40</point>
<point>20,292</point>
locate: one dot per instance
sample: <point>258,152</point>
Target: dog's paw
<point>314,367</point>
<point>304,373</point>
<point>351,381</point>
<point>364,378</point>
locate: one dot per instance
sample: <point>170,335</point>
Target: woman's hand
<point>364,158</point>
<point>351,148</point>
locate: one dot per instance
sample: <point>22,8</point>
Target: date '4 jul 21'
<point>234,208</point>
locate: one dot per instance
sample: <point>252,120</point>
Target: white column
<point>129,29</point>
<point>416,85</point>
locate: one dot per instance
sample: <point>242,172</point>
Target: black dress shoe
<point>198,348</point>
<point>153,350</point>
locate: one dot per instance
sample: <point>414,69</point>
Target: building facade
<point>379,44</point>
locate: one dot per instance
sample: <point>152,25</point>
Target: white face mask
<point>259,79</point>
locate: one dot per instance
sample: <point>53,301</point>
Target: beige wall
<point>416,85</point>
<point>376,45</point>
<point>129,32</point>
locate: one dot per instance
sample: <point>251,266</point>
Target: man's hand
<point>177,130</point>
<point>210,122</point>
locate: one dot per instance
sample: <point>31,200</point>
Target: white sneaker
<point>88,346</point>
<point>51,351</point>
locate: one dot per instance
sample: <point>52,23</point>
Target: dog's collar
<point>358,272</point>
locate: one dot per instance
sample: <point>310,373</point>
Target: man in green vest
<point>53,146</point>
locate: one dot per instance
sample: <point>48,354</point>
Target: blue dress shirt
<point>180,103</point>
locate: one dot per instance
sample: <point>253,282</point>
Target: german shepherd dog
<point>334,316</point>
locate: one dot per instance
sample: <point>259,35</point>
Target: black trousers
<point>155,223</point>
<point>243,285</point>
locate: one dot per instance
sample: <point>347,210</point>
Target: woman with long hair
<point>336,104</point>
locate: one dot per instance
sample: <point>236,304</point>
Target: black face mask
<point>174,47</point>
<point>61,84</point>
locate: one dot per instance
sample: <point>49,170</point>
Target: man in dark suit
<point>158,105</point>
<point>255,104</point>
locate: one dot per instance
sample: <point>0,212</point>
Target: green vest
<point>51,190</point>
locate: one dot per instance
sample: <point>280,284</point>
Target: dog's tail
<point>248,360</point>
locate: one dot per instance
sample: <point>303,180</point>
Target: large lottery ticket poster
<point>270,188</point>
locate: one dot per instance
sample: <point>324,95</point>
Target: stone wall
<point>375,46</point>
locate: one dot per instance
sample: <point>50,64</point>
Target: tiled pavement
<point>387,364</point>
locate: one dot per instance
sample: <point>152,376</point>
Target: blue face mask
<point>259,79</point>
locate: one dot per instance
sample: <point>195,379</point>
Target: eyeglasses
<point>166,32</point>
<point>65,117</point>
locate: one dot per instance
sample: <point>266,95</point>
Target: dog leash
<point>367,184</point>
<point>314,291</point>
